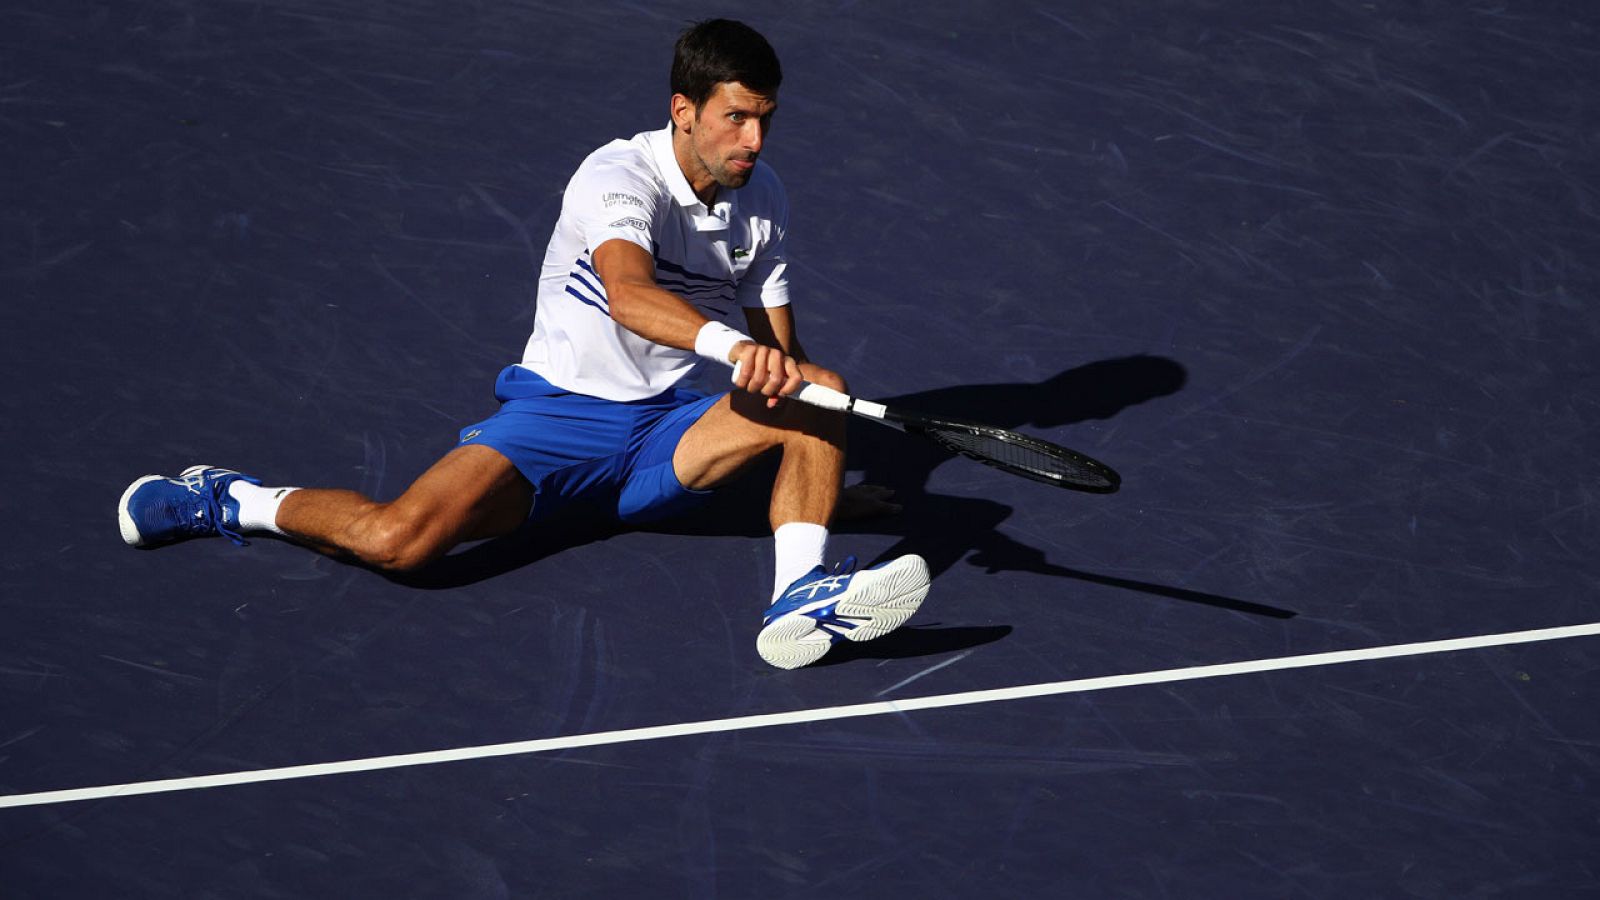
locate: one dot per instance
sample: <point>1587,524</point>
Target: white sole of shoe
<point>880,601</point>
<point>130,531</point>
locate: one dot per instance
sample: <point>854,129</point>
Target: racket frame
<point>930,427</point>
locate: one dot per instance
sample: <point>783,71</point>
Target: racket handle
<point>828,398</point>
<point>814,395</point>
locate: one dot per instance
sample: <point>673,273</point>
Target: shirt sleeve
<point>612,202</point>
<point>766,282</point>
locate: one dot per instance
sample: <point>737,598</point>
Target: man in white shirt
<point>654,233</point>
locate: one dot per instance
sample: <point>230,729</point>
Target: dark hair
<point>719,50</point>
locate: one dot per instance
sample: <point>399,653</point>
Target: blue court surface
<point>1318,278</point>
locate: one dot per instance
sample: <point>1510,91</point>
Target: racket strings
<point>1024,456</point>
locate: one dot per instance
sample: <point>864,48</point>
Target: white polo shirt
<point>731,254</point>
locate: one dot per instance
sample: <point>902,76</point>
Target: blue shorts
<point>601,454</point>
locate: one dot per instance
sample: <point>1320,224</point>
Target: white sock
<point>258,506</point>
<point>799,547</point>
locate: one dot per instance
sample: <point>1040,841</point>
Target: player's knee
<point>829,379</point>
<point>399,543</point>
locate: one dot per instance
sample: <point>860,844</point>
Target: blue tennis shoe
<point>156,510</point>
<point>822,608</point>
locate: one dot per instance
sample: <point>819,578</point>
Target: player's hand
<point>767,371</point>
<point>858,502</point>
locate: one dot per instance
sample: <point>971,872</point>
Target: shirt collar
<point>706,219</point>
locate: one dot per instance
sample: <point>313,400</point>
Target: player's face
<point>724,135</point>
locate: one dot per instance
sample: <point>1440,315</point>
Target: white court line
<point>744,723</point>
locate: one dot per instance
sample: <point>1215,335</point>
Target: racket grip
<point>827,398</point>
<point>815,395</point>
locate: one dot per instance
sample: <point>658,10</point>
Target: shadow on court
<point>1096,390</point>
<point>943,528</point>
<point>912,641</point>
<point>946,529</point>
<point>524,547</point>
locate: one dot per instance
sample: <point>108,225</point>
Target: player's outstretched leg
<point>156,510</point>
<point>472,493</point>
<point>822,608</point>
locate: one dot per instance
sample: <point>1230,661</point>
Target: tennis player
<point>657,234</point>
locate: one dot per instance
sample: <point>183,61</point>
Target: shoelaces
<point>211,491</point>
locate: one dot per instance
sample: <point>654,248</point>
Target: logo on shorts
<point>471,434</point>
<point>740,253</point>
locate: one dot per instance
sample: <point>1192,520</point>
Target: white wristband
<point>715,340</point>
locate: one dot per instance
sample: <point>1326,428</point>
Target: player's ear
<point>683,113</point>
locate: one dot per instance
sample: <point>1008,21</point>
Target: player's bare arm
<point>658,315</point>
<point>638,303</point>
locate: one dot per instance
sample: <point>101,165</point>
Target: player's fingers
<point>743,363</point>
<point>793,377</point>
<point>756,371</point>
<point>776,372</point>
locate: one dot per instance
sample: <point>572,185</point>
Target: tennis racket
<point>1005,450</point>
